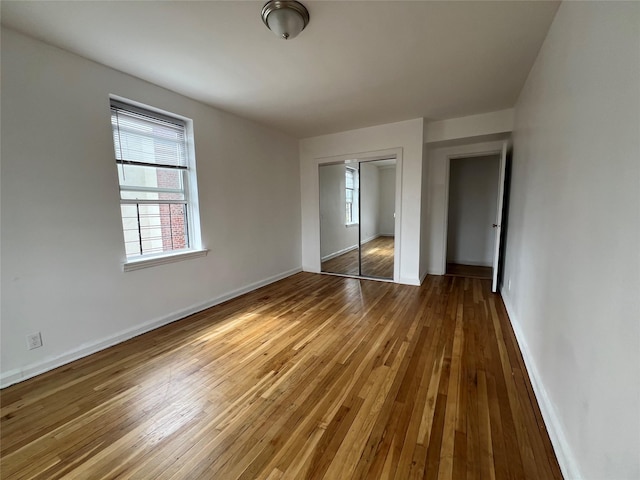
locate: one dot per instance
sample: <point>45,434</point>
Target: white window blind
<point>142,139</point>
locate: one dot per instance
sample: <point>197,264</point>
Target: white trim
<point>370,239</point>
<point>566,459</point>
<point>355,194</point>
<point>348,249</point>
<point>20,374</point>
<point>339,252</point>
<point>397,233</point>
<point>161,260</point>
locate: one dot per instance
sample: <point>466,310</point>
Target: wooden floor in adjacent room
<point>313,377</point>
<point>471,271</point>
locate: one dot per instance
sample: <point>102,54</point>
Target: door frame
<point>497,246</point>
<point>445,233</point>
<point>368,157</point>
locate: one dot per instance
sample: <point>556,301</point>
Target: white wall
<point>573,242</point>
<point>369,201</point>
<point>386,220</point>
<point>407,136</point>
<point>473,199</point>
<point>435,228</point>
<point>336,237</point>
<point>62,243</point>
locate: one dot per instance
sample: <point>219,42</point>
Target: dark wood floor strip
<point>469,271</point>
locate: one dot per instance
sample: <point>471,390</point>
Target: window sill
<point>163,259</point>
<point>355,224</point>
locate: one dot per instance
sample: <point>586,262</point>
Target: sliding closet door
<point>357,218</point>
<point>339,218</point>
<point>377,218</point>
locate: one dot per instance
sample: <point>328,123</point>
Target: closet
<point>357,218</point>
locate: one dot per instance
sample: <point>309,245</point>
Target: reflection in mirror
<point>377,217</point>
<point>357,218</point>
<point>339,215</point>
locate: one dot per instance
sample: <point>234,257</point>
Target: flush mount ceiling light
<point>285,18</point>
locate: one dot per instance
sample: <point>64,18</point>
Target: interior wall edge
<point>566,458</point>
<point>18,375</point>
<point>416,282</point>
<point>490,123</point>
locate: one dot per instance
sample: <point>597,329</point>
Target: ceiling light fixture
<point>285,18</point>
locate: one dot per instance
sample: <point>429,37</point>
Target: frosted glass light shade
<point>285,23</point>
<point>285,18</point>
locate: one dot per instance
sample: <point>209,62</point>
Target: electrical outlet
<point>34,341</point>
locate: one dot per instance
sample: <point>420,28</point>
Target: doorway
<point>474,189</point>
<point>358,218</point>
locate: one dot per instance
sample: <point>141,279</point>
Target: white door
<point>497,226</point>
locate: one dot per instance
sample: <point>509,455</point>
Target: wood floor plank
<point>312,377</point>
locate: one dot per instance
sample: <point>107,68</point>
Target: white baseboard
<point>566,459</point>
<point>348,249</point>
<point>338,253</point>
<point>372,237</point>
<point>410,281</point>
<point>20,374</point>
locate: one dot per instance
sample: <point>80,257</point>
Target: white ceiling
<point>358,63</point>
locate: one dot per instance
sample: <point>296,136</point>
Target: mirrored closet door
<point>357,218</point>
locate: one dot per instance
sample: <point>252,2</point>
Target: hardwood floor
<point>471,271</point>
<point>313,377</point>
<point>377,260</point>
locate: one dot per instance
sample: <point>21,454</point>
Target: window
<point>154,172</point>
<point>351,195</point>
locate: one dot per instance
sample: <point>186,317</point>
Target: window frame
<point>189,189</point>
<point>355,197</point>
